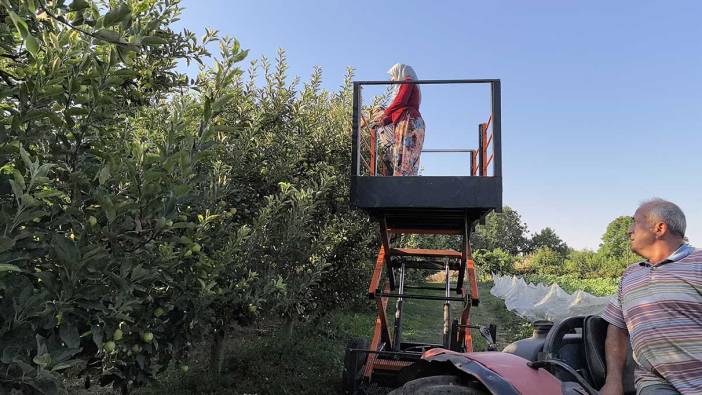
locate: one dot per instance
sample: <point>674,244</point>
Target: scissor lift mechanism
<point>452,207</point>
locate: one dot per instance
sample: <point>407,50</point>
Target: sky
<point>601,100</point>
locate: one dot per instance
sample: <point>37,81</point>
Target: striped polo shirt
<point>661,308</point>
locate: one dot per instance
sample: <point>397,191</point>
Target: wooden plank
<point>424,252</point>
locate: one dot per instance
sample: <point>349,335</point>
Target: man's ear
<point>660,229</point>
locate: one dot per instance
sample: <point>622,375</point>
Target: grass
<point>423,319</point>
<point>309,359</point>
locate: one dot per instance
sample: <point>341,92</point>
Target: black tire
<point>352,373</point>
<point>443,385</point>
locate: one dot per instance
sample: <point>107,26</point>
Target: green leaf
<point>6,243</point>
<point>47,193</point>
<point>43,170</point>
<point>66,250</point>
<point>104,174</point>
<point>42,360</point>
<point>65,365</point>
<point>16,189</point>
<point>6,267</point>
<point>19,179</point>
<point>69,334</point>
<point>77,111</point>
<point>116,16</point>
<point>110,36</point>
<point>19,23</point>
<point>26,159</point>
<point>98,333</point>
<point>53,90</point>
<point>32,44</point>
<point>153,41</point>
<point>109,208</point>
<point>78,5</point>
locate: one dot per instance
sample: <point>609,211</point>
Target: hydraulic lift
<point>416,205</point>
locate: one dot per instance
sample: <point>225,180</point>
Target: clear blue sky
<point>601,100</point>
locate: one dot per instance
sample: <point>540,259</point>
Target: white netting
<point>541,302</point>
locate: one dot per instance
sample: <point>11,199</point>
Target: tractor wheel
<point>443,385</point>
<point>352,372</point>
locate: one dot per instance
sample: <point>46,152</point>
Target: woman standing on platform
<point>402,131</point>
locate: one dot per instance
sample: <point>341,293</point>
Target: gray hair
<point>667,212</point>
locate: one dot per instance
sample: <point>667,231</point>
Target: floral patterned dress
<point>401,146</point>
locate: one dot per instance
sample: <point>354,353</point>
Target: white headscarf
<point>400,72</point>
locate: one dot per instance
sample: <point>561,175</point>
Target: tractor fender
<point>501,373</point>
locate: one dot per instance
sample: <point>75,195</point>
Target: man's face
<point>641,234</point>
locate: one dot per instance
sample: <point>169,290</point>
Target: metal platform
<point>429,201</point>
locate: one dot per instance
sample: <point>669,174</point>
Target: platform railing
<point>489,133</point>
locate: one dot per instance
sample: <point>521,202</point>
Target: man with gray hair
<point>658,307</point>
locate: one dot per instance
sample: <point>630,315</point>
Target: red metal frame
<point>381,332</point>
<point>485,141</point>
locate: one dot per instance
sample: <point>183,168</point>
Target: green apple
<point>147,337</point>
<point>109,346</point>
<point>92,221</point>
<point>117,335</point>
<point>159,312</point>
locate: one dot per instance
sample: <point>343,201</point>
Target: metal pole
<point>447,309</point>
<point>497,127</point>
<point>356,122</point>
<point>481,151</point>
<point>473,170</point>
<point>429,82</point>
<point>373,150</point>
<point>398,310</point>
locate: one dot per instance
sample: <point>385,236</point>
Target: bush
<point>494,261</point>
<point>544,260</point>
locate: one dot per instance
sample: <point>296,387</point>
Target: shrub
<point>494,261</point>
